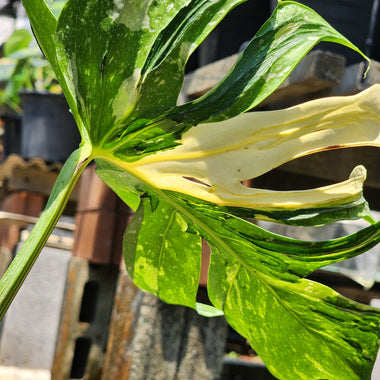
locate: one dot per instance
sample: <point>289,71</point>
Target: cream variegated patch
<point>133,14</point>
<point>213,159</point>
<point>125,99</point>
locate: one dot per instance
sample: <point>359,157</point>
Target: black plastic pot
<point>12,135</point>
<point>357,20</point>
<point>48,128</point>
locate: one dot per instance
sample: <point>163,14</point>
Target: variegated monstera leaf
<point>121,66</point>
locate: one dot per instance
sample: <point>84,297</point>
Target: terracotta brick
<point>15,203</point>
<point>9,235</point>
<point>34,204</point>
<point>94,234</point>
<point>101,220</point>
<point>94,194</point>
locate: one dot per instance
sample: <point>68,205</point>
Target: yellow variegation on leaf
<point>121,66</point>
<point>213,159</point>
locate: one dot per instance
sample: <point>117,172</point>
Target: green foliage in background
<point>23,67</point>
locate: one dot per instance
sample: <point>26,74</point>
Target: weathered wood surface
<point>153,340</point>
<point>205,78</point>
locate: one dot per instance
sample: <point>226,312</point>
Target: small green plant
<point>121,67</point>
<point>23,67</point>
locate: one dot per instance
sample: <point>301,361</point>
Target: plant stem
<point>21,265</point>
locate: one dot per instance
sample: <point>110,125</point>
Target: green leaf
<point>143,137</point>
<point>103,47</point>
<point>56,7</point>
<point>20,39</point>
<point>301,329</point>
<point>208,311</point>
<point>271,252</point>
<point>211,160</point>
<point>117,62</point>
<point>44,25</point>
<point>255,279</point>
<point>163,71</point>
<point>127,187</point>
<point>26,53</point>
<point>161,255</point>
<point>289,34</point>
<point>319,216</point>
<point>7,67</point>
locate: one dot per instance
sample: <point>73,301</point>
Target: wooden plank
<point>205,78</point>
<point>352,82</point>
<point>10,234</point>
<point>15,373</point>
<point>34,204</point>
<point>118,360</point>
